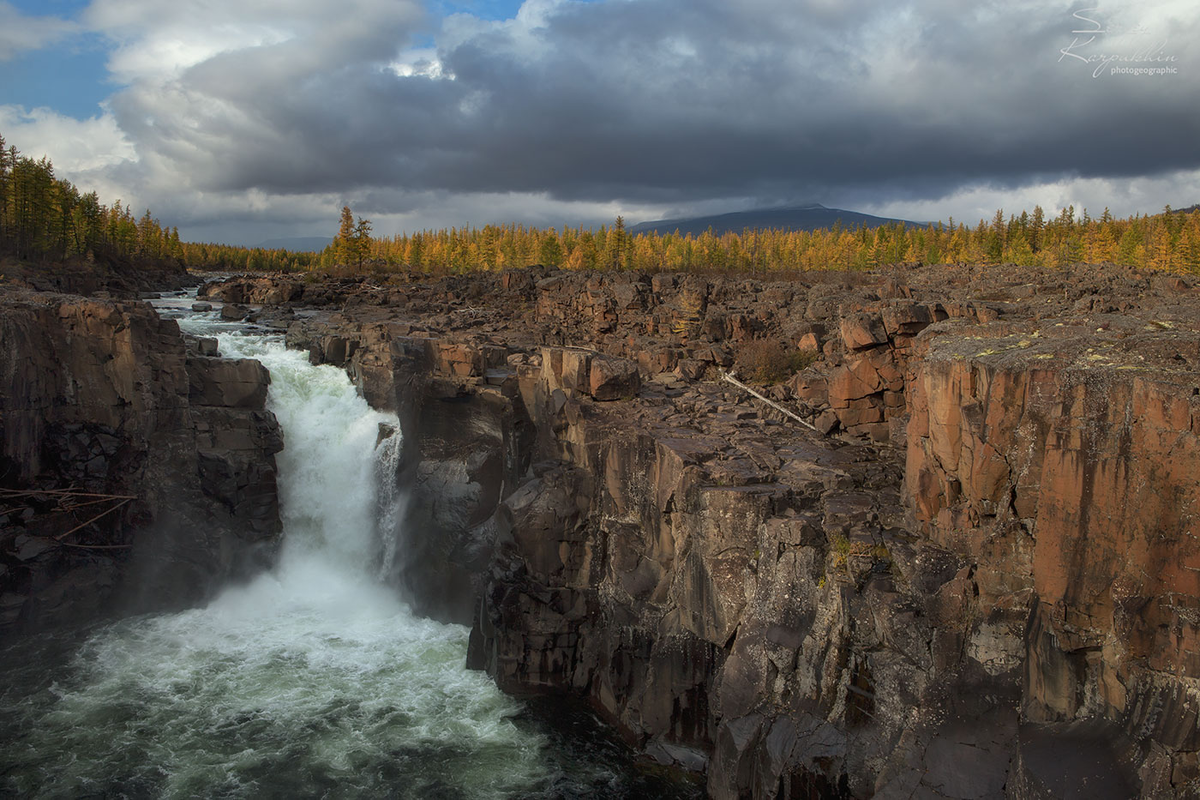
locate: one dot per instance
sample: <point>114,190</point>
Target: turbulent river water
<point>312,680</point>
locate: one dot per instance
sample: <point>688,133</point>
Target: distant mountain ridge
<point>298,244</point>
<point>797,218</point>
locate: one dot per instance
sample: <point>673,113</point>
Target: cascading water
<point>391,501</point>
<point>311,680</point>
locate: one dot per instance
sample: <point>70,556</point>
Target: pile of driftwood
<point>70,502</point>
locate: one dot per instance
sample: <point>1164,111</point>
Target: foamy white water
<point>330,482</point>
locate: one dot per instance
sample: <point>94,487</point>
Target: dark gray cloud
<point>664,104</point>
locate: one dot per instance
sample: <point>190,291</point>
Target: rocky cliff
<point>133,469</point>
<point>1064,462</point>
<point>101,278</point>
<point>974,578</point>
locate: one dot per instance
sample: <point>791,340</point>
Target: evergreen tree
<point>550,251</point>
<point>1036,226</point>
<point>615,245</point>
<point>4,176</point>
<point>343,244</point>
<point>362,241</point>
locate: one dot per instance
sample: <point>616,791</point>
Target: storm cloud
<point>278,111</point>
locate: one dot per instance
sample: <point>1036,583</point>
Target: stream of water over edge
<point>312,680</point>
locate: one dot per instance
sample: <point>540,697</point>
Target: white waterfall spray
<point>333,463</point>
<point>392,500</point>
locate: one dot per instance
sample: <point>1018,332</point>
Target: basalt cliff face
<point>1067,469</point>
<point>977,578</point>
<point>974,576</point>
<point>136,471</point>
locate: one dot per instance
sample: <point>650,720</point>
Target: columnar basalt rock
<point>719,591</point>
<point>1068,471</point>
<point>708,589</point>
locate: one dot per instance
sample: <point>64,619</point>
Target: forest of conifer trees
<point>46,219</point>
<point>1167,241</point>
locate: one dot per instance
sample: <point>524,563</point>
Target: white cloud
<point>420,62</point>
<point>1123,197</point>
<point>79,146</point>
<point>156,41</point>
<point>20,33</point>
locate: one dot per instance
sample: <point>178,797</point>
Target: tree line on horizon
<point>46,218</point>
<point>1169,241</point>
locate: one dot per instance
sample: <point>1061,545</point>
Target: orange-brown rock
<point>1067,469</point>
<point>863,331</point>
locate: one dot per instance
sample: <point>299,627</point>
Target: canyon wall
<point>720,585</point>
<point>137,469</point>
<point>1067,469</point>
<point>984,587</point>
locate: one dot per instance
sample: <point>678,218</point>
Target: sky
<point>246,120</point>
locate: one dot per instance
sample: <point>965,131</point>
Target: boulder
<point>613,378</point>
<point>862,331</point>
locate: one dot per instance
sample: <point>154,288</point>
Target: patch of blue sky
<point>494,10</point>
<point>491,10</point>
<point>484,9</point>
<point>68,76</point>
<point>63,9</point>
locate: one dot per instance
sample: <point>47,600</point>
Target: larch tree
<point>550,249</point>
<point>343,243</point>
<point>615,245</point>
<point>362,241</point>
<point>1036,226</point>
<point>4,173</point>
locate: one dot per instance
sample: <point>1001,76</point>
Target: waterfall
<point>334,469</point>
<point>392,500</point>
<point>313,679</point>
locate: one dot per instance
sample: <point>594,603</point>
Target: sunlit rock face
<point>1070,476</point>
